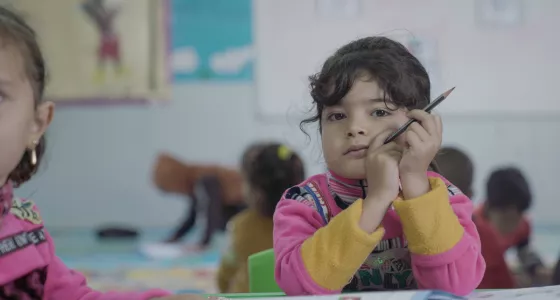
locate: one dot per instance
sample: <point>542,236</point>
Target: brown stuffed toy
<point>174,176</point>
<point>223,192</point>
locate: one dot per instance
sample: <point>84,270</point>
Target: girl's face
<point>361,116</point>
<point>21,123</point>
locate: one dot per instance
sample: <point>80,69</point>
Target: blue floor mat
<point>81,247</point>
<point>118,265</point>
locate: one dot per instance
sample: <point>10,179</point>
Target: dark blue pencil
<point>427,109</point>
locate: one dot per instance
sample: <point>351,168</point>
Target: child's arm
<point>497,274</point>
<point>227,268</point>
<point>63,283</point>
<point>442,239</point>
<point>233,266</point>
<point>528,258</point>
<point>314,258</point>
<point>249,233</point>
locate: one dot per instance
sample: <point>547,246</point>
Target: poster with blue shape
<point>211,40</point>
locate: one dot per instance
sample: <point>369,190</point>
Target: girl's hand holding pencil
<point>423,141</point>
<point>382,171</point>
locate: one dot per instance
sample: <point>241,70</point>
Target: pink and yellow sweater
<point>429,242</point>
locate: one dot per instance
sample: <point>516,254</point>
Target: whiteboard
<point>499,68</point>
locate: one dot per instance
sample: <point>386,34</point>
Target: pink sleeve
<point>63,283</point>
<point>460,269</point>
<point>295,222</point>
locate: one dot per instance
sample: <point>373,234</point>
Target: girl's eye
<point>380,113</point>
<point>336,117</point>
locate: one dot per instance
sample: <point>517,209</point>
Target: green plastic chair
<point>261,273</point>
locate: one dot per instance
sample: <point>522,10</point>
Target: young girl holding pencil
<point>378,219</point>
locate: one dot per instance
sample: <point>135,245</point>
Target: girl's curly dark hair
<point>399,74</point>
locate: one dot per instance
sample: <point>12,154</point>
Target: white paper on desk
<point>538,293</point>
<point>162,250</point>
<point>402,295</point>
<point>542,293</point>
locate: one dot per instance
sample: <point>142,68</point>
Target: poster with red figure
<point>103,17</point>
<point>102,51</point>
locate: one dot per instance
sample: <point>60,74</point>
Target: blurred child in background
<point>556,273</point>
<point>214,190</point>
<point>502,224</point>
<point>457,167</point>
<point>268,173</point>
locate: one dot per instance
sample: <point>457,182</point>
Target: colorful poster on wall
<point>105,51</point>
<point>212,40</point>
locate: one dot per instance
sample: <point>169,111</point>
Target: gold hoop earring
<point>33,154</point>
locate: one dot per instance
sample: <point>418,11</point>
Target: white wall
<point>99,159</point>
<point>483,61</point>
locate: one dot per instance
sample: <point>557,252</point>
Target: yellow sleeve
<point>429,223</point>
<point>240,280</point>
<point>249,233</point>
<point>228,264</point>
<point>225,273</point>
<point>335,252</point>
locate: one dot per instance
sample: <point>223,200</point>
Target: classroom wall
<point>99,158</point>
<point>98,161</point>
